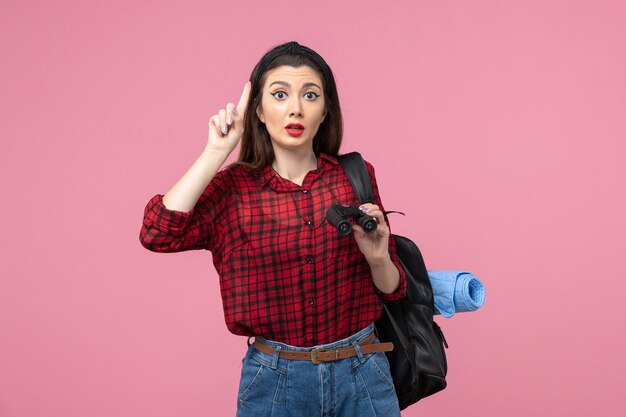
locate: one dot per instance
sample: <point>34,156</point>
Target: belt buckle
<point>314,353</point>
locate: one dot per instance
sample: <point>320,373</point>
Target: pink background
<point>497,127</point>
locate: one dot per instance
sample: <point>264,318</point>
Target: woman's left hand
<point>374,246</point>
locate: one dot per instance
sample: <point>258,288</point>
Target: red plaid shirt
<point>286,274</point>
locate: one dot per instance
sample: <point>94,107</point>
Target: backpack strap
<point>354,166</point>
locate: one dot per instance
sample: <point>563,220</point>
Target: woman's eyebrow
<point>286,84</point>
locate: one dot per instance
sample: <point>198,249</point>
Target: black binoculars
<point>338,214</point>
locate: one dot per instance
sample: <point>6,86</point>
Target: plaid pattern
<point>285,272</point>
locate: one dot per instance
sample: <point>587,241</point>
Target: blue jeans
<point>357,386</point>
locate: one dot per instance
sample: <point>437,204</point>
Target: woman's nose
<point>295,107</point>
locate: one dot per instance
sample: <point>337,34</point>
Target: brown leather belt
<point>318,355</point>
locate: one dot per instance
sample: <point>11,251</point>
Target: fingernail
<point>235,112</point>
<point>363,208</point>
<point>229,121</point>
<point>224,130</point>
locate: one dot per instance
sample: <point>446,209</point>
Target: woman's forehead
<point>287,73</point>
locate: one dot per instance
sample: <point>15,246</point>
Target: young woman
<point>307,294</point>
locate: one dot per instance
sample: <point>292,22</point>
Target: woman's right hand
<point>226,127</point>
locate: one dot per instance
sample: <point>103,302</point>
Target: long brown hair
<point>256,147</point>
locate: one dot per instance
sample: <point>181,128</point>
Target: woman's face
<point>292,106</point>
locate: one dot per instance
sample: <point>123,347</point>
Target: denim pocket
<point>260,384</point>
<point>380,362</point>
<point>374,370</point>
<point>250,376</point>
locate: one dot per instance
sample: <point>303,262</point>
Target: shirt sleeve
<point>400,292</point>
<point>165,230</point>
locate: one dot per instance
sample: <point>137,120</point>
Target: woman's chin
<point>293,143</point>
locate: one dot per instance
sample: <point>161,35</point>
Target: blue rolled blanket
<point>456,292</point>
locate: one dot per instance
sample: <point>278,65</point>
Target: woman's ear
<point>259,114</point>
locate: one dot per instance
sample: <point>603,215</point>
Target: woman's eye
<point>311,95</point>
<point>279,95</point>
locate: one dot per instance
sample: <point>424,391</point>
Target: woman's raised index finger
<point>243,101</point>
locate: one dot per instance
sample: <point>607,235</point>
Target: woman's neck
<point>294,167</point>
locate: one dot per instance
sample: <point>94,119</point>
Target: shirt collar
<point>268,173</point>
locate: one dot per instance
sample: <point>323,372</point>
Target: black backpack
<point>418,360</point>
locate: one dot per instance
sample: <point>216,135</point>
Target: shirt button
<point>305,191</point>
<point>309,223</point>
<point>312,340</point>
<point>309,260</point>
<point>311,301</point>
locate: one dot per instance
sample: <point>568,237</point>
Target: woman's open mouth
<point>294,129</point>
